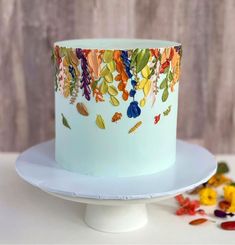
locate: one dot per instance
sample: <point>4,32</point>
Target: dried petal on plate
<point>228,225</point>
<point>116,117</point>
<point>133,129</point>
<point>100,122</point>
<point>220,213</point>
<point>224,205</point>
<point>82,109</point>
<point>198,221</point>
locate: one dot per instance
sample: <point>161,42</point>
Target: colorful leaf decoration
<point>104,71</point>
<point>111,66</point>
<point>114,101</point>
<point>81,108</point>
<point>142,83</point>
<point>116,117</point>
<point>133,129</point>
<point>65,121</point>
<point>108,56</point>
<point>103,87</point>
<point>100,122</point>
<point>142,59</point>
<point>163,84</point>
<point>147,87</point>
<point>112,90</point>
<point>109,77</point>
<point>165,94</point>
<point>157,118</point>
<point>146,72</point>
<point>167,111</point>
<point>133,57</point>
<point>143,102</point>
<point>94,62</point>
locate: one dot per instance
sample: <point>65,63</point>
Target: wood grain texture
<point>205,28</point>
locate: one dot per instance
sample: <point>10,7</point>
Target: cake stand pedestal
<point>116,204</point>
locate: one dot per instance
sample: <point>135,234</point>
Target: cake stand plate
<point>116,204</point>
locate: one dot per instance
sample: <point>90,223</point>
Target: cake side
<point>116,110</point>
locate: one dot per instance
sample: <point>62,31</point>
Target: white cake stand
<point>116,204</point>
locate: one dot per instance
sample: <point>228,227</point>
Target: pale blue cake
<point>116,105</point>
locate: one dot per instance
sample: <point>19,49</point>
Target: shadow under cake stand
<point>116,204</point>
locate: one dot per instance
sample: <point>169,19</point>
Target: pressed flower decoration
<point>131,77</point>
<point>208,195</point>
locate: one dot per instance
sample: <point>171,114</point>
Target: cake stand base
<point>116,204</point>
<point>109,218</point>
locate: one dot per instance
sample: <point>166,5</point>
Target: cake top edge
<point>116,44</point>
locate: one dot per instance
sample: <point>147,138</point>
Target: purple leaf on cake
<point>86,79</point>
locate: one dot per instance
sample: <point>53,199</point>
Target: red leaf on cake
<point>157,119</point>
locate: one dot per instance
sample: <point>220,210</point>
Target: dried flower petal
<point>220,213</point>
<point>228,225</point>
<point>208,196</point>
<point>198,221</point>
<point>224,205</point>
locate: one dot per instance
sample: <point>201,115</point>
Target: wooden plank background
<point>28,29</point>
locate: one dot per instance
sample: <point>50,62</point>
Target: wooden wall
<point>28,29</point>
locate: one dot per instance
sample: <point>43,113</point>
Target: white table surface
<point>28,215</point>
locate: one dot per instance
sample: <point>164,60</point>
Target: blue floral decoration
<point>133,110</point>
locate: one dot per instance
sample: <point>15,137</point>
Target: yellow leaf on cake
<point>109,77</point>
<point>114,101</point>
<point>142,102</point>
<point>142,83</point>
<point>147,87</point>
<point>100,122</point>
<point>146,71</point>
<point>108,56</point>
<point>111,66</point>
<point>104,71</point>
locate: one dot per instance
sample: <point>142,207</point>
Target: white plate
<point>193,166</point>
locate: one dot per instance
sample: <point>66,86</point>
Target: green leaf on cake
<point>65,121</point>
<point>167,111</point>
<point>170,76</point>
<point>133,57</point>
<point>142,59</point>
<point>100,122</point>
<point>165,94</point>
<point>163,84</point>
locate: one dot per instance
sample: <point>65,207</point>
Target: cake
<point>116,105</point>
